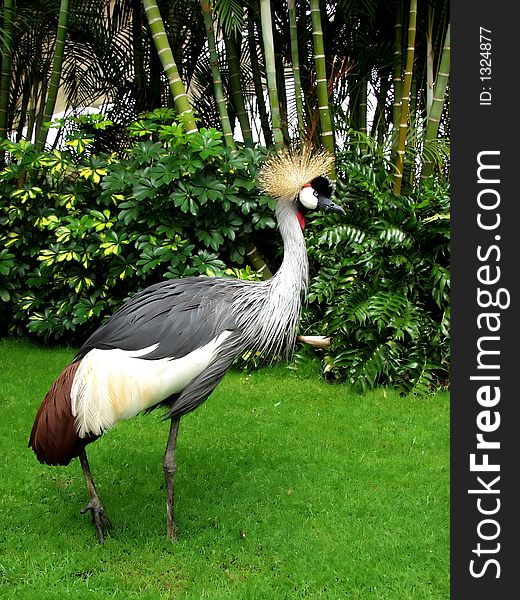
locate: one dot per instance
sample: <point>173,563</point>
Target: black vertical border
<point>476,128</point>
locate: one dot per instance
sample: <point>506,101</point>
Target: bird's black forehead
<point>323,186</point>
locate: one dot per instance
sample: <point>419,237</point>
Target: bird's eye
<point>315,192</point>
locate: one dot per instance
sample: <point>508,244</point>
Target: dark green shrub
<point>380,285</point>
<point>80,232</point>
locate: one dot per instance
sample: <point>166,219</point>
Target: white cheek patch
<point>308,199</point>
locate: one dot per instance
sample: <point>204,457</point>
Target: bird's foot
<point>99,517</point>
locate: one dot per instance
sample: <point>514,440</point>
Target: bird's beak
<point>327,205</point>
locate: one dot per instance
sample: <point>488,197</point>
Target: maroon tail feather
<point>53,437</point>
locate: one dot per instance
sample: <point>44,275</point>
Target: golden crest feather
<point>285,173</point>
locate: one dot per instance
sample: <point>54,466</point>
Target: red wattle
<point>301,220</point>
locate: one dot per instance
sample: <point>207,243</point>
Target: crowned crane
<point>172,343</point>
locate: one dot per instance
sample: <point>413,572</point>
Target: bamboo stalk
<point>293,32</point>
<point>40,102</point>
<point>26,94</point>
<point>363,105</point>
<point>5,75</point>
<point>138,58</point>
<point>407,84</point>
<point>429,62</point>
<point>255,260</point>
<point>379,124</point>
<point>257,82</point>
<point>236,88</point>
<point>397,74</point>
<point>270,67</point>
<point>169,65</point>
<point>215,71</point>
<point>327,135</point>
<point>439,92</point>
<point>282,98</point>
<point>54,83</point>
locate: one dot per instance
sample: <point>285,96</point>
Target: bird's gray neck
<point>294,271</point>
<point>288,286</point>
<point>268,312</point>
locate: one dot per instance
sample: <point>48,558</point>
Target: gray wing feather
<point>179,315</point>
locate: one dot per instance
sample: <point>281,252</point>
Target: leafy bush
<point>80,232</point>
<point>381,282</point>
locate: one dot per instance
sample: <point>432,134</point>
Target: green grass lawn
<point>339,495</point>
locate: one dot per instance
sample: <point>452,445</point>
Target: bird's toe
<point>100,519</point>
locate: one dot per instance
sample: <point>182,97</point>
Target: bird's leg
<point>99,517</point>
<point>170,466</point>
